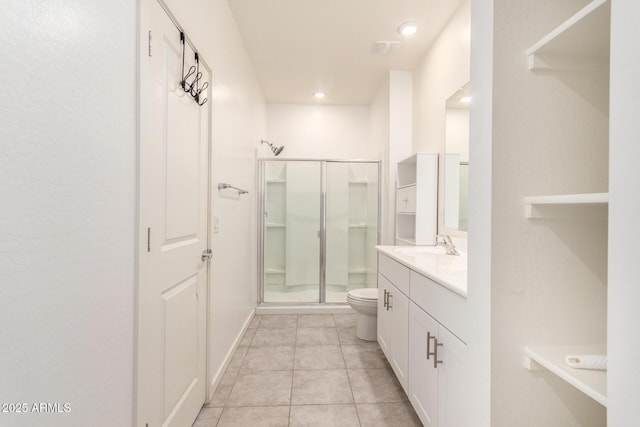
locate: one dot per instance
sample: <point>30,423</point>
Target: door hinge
<point>207,254</point>
<point>150,42</point>
<point>149,239</point>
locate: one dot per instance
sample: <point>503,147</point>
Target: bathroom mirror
<point>456,160</point>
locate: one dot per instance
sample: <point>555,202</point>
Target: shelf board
<point>357,225</point>
<point>584,37</point>
<point>274,271</point>
<point>406,213</point>
<point>358,182</point>
<point>586,205</point>
<point>276,181</point>
<point>591,382</point>
<point>361,270</point>
<point>413,184</point>
<point>276,225</point>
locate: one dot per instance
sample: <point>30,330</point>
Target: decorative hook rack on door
<point>193,88</point>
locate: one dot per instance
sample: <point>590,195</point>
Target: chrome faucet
<point>448,244</point>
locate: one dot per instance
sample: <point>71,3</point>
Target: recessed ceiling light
<point>408,28</point>
<point>466,99</point>
<point>319,95</point>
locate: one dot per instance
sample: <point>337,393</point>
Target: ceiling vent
<point>384,48</point>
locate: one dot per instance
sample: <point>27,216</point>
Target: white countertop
<point>432,261</point>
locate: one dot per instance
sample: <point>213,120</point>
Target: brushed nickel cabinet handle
<point>429,337</point>
<point>436,362</point>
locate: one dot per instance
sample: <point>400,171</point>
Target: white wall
<point>68,209</point>
<point>480,226</point>
<point>444,69</point>
<point>549,277</point>
<point>317,131</point>
<point>378,148</point>
<point>400,139</point>
<point>238,125</point>
<point>623,375</point>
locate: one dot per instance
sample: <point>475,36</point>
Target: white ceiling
<point>299,47</point>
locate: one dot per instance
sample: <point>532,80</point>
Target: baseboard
<point>218,376</point>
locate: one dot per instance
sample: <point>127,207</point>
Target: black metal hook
<point>193,88</point>
<point>183,83</point>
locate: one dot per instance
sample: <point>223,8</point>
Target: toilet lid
<point>364,293</point>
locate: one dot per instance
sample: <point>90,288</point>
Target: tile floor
<point>307,370</point>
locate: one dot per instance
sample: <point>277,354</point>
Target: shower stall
<point>319,222</point>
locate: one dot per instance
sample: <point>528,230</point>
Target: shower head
<point>276,150</point>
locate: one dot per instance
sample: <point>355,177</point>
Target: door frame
<point>143,46</point>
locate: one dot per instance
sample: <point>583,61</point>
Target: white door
<point>453,381</point>
<point>383,319</point>
<point>174,181</point>
<point>400,339</point>
<point>423,382</point>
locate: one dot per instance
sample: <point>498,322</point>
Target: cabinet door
<point>452,381</point>
<point>423,382</point>
<point>383,316</point>
<point>399,309</point>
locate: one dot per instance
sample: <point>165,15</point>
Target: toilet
<point>365,302</point>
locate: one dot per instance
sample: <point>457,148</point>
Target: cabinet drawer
<point>406,199</point>
<point>447,307</point>
<point>395,272</point>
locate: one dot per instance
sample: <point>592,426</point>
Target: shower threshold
<point>311,308</point>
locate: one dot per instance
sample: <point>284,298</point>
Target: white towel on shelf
<point>587,361</point>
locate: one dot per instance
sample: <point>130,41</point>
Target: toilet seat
<point>364,294</point>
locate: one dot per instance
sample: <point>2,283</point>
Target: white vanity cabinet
<point>393,316</point>
<point>421,328</point>
<point>423,385</point>
<point>437,363</point>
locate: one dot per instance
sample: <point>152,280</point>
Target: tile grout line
<point>341,346</point>
<point>348,378</point>
<point>293,371</point>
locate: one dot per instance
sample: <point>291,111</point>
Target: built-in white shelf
<point>593,383</point>
<point>276,225</point>
<point>583,38</point>
<point>417,200</point>
<point>360,270</point>
<point>358,182</point>
<point>590,205</point>
<point>276,181</point>
<point>274,271</point>
<point>361,225</point>
<point>413,184</point>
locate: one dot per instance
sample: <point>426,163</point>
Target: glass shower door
<point>291,227</point>
<point>351,226</point>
